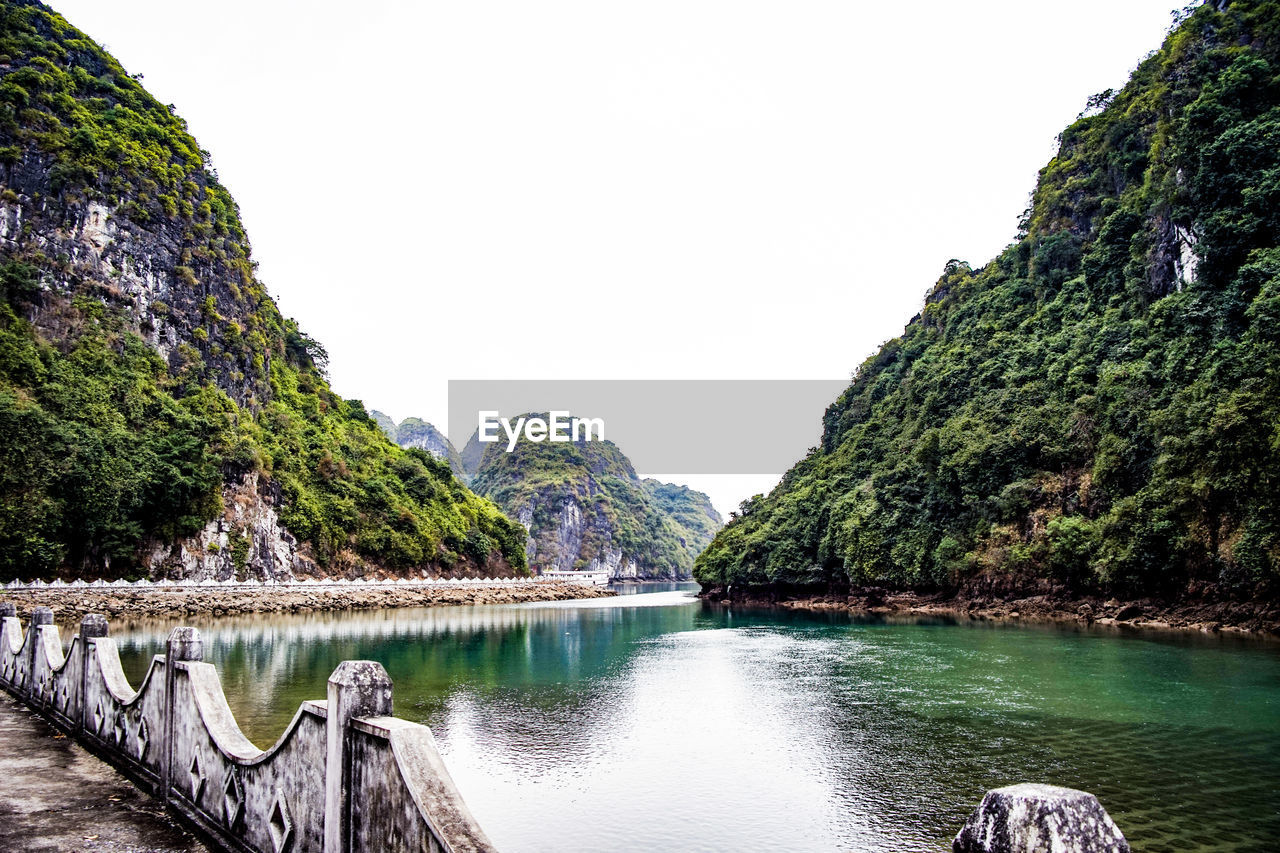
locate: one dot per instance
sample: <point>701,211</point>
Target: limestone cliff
<point>1094,410</point>
<point>158,414</point>
<point>582,503</point>
<point>586,509</point>
<point>245,541</point>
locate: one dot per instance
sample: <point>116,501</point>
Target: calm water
<point>653,721</point>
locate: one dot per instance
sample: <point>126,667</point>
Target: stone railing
<point>344,776</point>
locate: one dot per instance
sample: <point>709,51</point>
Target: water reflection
<point>558,656</point>
<point>654,721</point>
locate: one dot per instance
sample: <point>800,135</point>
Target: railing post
<point>7,611</point>
<point>92,626</point>
<point>184,644</point>
<point>357,688</point>
<point>39,616</point>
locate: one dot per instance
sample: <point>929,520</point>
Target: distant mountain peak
<point>585,507</point>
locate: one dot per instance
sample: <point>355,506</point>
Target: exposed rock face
<point>582,503</point>
<point>1039,819</point>
<point>1174,263</point>
<point>174,289</point>
<point>183,301</point>
<point>568,544</point>
<point>247,541</point>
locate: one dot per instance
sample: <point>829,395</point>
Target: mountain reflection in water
<point>655,721</point>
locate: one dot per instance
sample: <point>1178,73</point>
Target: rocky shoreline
<point>1246,618</point>
<point>71,605</point>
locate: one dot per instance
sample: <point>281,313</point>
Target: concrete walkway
<point>55,796</point>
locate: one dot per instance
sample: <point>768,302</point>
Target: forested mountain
<point>157,412</point>
<point>1099,406</point>
<point>584,505</point>
<point>586,508</point>
<point>415,432</point>
<point>695,518</point>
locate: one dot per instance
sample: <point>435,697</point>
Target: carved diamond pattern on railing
<point>232,796</point>
<point>196,772</point>
<point>99,717</point>
<point>144,739</point>
<point>280,825</point>
<point>64,697</point>
<point>118,730</point>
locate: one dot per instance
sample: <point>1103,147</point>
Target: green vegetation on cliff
<point>1098,406</point>
<point>143,365</point>
<point>415,432</point>
<point>95,453</point>
<point>690,512</point>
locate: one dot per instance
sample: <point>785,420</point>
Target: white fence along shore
<point>308,583</point>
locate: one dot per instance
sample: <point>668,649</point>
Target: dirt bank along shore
<point>1260,618</point>
<point>71,604</point>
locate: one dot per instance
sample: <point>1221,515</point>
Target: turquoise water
<point>654,721</point>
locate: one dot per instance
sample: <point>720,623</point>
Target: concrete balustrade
<point>344,776</point>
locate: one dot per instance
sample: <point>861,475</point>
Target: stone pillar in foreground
<point>357,688</point>
<point>184,644</point>
<point>40,616</point>
<point>1039,819</point>
<point>11,676</point>
<point>92,627</point>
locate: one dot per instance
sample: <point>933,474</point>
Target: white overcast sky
<point>560,190</point>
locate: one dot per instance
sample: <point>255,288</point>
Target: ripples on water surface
<point>653,721</point>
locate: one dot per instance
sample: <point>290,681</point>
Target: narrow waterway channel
<point>654,721</point>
